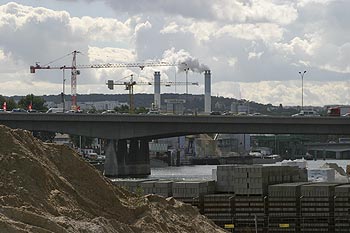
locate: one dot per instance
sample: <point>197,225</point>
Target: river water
<point>203,172</point>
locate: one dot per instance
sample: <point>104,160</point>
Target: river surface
<point>203,172</point>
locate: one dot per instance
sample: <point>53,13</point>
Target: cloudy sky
<point>254,48</point>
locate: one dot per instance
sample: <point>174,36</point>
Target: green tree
<point>141,110</point>
<point>10,104</point>
<point>122,109</point>
<point>2,100</point>
<point>37,102</point>
<point>92,110</point>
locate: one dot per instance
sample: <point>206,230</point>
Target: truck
<point>338,111</point>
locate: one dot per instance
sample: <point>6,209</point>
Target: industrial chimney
<point>207,91</point>
<point>156,103</point>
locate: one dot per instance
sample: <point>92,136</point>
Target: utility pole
<point>302,88</point>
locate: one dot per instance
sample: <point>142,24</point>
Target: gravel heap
<point>49,188</point>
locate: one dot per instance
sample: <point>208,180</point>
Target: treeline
<point>26,102</point>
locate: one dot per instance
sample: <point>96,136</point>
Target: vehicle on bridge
<point>215,113</point>
<point>153,112</point>
<point>307,113</point>
<point>18,110</point>
<point>339,111</point>
<point>55,110</point>
<point>73,111</point>
<point>32,111</point>
<point>110,111</point>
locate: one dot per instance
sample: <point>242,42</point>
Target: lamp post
<point>302,88</point>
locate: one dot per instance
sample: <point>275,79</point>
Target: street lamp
<point>302,88</point>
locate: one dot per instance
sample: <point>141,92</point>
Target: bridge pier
<point>124,161</point>
<point>338,155</point>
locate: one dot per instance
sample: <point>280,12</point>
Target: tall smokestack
<point>157,90</point>
<point>207,91</point>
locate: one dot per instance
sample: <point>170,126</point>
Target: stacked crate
<point>224,178</point>
<point>284,207</point>
<point>148,187</point>
<point>192,192</point>
<point>192,189</point>
<point>164,188</point>
<point>317,207</point>
<point>254,179</point>
<point>249,210</point>
<point>218,208</point>
<point>342,208</point>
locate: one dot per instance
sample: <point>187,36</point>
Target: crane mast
<point>74,74</point>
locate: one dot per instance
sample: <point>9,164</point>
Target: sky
<point>255,49</point>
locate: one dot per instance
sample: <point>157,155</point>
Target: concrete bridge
<point>137,130</point>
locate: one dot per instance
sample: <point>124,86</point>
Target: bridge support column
<point>338,155</point>
<point>124,162</point>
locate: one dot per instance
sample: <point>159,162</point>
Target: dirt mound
<point>49,188</point>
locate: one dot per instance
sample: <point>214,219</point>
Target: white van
<point>307,113</point>
<point>55,110</point>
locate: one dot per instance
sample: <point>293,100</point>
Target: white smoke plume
<point>184,60</point>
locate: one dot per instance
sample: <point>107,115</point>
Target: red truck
<point>338,111</point>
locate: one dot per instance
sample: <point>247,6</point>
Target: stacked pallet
<point>249,213</point>
<point>342,208</point>
<point>317,207</point>
<point>219,208</point>
<point>284,207</point>
<point>255,179</point>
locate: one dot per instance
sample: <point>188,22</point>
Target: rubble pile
<point>49,188</point>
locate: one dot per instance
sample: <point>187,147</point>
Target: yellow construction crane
<point>130,87</point>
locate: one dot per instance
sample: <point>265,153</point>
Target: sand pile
<point>48,188</point>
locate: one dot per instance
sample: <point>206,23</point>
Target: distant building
<point>234,108</point>
<point>101,105</point>
<point>175,106</point>
<point>243,108</point>
<point>98,105</point>
<point>219,106</point>
<point>228,143</point>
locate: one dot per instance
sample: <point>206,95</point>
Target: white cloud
<point>303,3</point>
<point>255,10</point>
<point>101,29</point>
<point>254,55</point>
<point>232,61</point>
<point>261,31</point>
<point>172,27</point>
<point>258,45</point>
<point>287,93</point>
<point>111,55</point>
